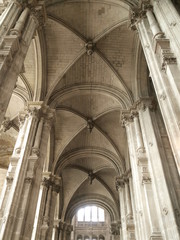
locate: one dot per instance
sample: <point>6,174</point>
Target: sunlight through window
<point>81,215</point>
<point>91,214</point>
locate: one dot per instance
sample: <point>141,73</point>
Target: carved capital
<point>120,183</point>
<point>134,113</point>
<point>115,228</point>
<point>49,115</point>
<point>21,118</point>
<point>37,8</point>
<point>46,182</point>
<point>126,118</point>
<point>139,13</point>
<point>127,175</point>
<point>56,183</point>
<point>144,103</point>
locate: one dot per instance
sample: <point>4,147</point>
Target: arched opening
<point>91,222</point>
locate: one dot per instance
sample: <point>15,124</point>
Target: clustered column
<point>127,221</point>
<point>148,181</point>
<point>164,70</point>
<point>25,170</point>
<point>17,28</point>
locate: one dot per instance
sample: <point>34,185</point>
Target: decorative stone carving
<point>53,181</point>
<point>139,12</point>
<point>145,175</point>
<point>165,211</point>
<point>9,179</point>
<point>89,47</point>
<point>35,151</point>
<point>144,103</point>
<point>120,183</point>
<point>46,182</point>
<point>21,117</point>
<point>115,228</point>
<point>90,124</point>
<point>91,176</point>
<point>6,125</point>
<point>28,180</point>
<point>37,8</point>
<point>126,118</point>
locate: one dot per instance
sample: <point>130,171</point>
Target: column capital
<point>126,118</point>
<point>120,183</point>
<point>139,13</point>
<point>39,109</point>
<point>115,228</point>
<point>127,175</point>
<point>52,180</point>
<point>128,115</point>
<point>144,103</point>
<point>37,8</point>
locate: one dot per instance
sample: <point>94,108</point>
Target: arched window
<point>101,237</point>
<point>91,214</point>
<point>86,238</point>
<point>79,237</point>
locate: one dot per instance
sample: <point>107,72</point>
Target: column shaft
<point>164,72</point>
<point>164,202</point>
<point>14,48</point>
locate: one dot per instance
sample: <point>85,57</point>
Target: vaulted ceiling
<point>87,64</point>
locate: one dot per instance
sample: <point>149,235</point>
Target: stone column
<point>115,231</point>
<point>164,72</point>
<point>120,186</point>
<point>17,28</point>
<point>66,231</point>
<point>156,31</point>
<point>55,230</point>
<point>38,220</point>
<point>56,185</point>
<point>139,206</point>
<point>129,214</point>
<point>61,231</point>
<point>155,178</point>
<point>9,17</point>
<point>13,162</point>
<point>17,211</point>
<point>153,220</point>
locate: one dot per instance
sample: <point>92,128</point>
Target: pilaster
<point>163,68</point>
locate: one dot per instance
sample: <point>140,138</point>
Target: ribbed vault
<point>89,90</point>
<point>84,64</point>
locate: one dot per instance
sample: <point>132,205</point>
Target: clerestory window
<point>91,214</point>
